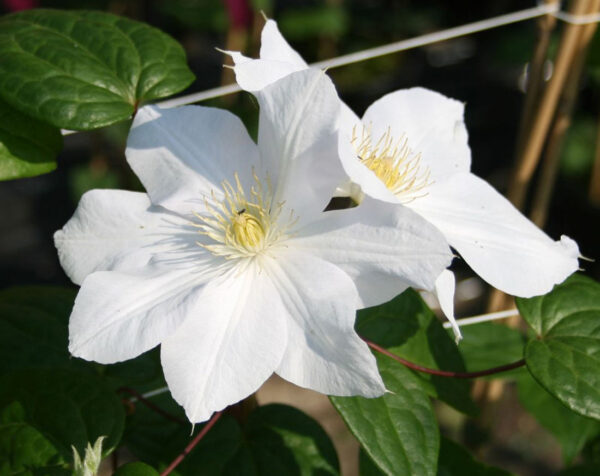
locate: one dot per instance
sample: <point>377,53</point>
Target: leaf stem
<point>192,444</point>
<point>445,373</point>
<point>150,405</point>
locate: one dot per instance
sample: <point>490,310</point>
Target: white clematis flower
<point>229,261</point>
<point>411,148</point>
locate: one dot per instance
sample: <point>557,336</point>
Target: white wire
<point>492,316</point>
<point>461,322</point>
<point>402,45</point>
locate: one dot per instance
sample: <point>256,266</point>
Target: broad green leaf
<point>85,69</point>
<point>570,429</point>
<point>487,345</point>
<point>583,470</point>
<point>398,430</point>
<point>136,469</point>
<point>366,467</point>
<point>284,440</point>
<point>34,328</point>
<point>28,147</point>
<point>456,460</point>
<point>407,327</point>
<point>23,447</point>
<point>157,440</point>
<point>276,439</point>
<point>565,357</point>
<point>67,407</point>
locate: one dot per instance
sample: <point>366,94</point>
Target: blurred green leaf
<point>565,358</point>
<point>487,345</point>
<point>583,470</point>
<point>199,15</point>
<point>23,447</point>
<point>136,469</point>
<point>90,176</point>
<point>34,328</point>
<point>85,69</point>
<point>366,467</point>
<point>28,147</point>
<point>407,327</point>
<point>456,460</point>
<point>577,156</point>
<point>398,430</point>
<point>570,429</point>
<point>276,439</point>
<point>324,20</point>
<point>284,440</point>
<point>67,407</point>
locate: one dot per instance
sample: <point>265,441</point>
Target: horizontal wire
<point>395,47</point>
<point>492,316</point>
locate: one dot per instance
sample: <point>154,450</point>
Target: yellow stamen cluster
<point>242,226</point>
<point>394,164</point>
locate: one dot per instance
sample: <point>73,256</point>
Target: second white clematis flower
<point>411,148</point>
<point>229,261</point>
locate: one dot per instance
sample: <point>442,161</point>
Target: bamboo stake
<point>535,76</point>
<point>532,149</point>
<point>550,165</point>
<point>595,181</point>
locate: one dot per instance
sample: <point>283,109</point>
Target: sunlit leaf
<point>565,357</point>
<point>85,69</point>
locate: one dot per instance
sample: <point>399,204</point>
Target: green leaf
<point>157,440</point>
<point>23,447</point>
<point>487,345</point>
<point>457,461</point>
<point>398,431</point>
<point>85,69</point>
<point>276,439</point>
<point>34,328</point>
<point>407,327</point>
<point>28,147</point>
<point>67,407</point>
<point>136,469</point>
<point>565,358</point>
<point>583,470</point>
<point>284,440</point>
<point>570,429</point>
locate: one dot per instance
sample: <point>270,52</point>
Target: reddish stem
<point>151,405</point>
<point>445,373</point>
<point>192,444</point>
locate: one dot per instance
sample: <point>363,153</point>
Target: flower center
<point>394,164</point>
<point>240,225</point>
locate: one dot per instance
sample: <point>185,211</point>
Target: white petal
<point>432,123</point>
<point>298,141</point>
<point>229,347</point>
<point>106,225</point>
<point>495,239</point>
<point>277,60</point>
<point>117,316</point>
<point>255,75</point>
<point>184,153</point>
<point>378,242</point>
<point>274,47</point>
<point>445,286</point>
<point>324,353</point>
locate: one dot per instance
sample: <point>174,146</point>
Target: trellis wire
<point>403,45</point>
<point>492,316</point>
<point>395,47</point>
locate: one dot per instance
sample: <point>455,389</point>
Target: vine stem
<point>192,444</point>
<point>445,373</point>
<point>150,405</point>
